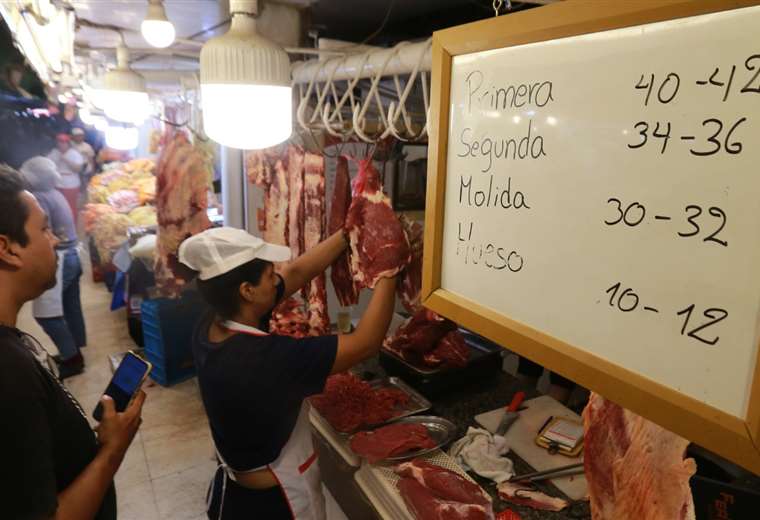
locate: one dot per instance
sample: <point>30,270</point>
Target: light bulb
<point>125,106</point>
<point>121,137</point>
<point>100,123</point>
<point>158,33</point>
<point>86,116</point>
<point>249,117</point>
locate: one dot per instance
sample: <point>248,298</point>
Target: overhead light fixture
<point>121,137</point>
<point>123,96</point>
<point>157,30</point>
<point>245,85</point>
<point>100,123</point>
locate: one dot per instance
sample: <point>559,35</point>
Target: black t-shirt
<point>45,442</point>
<point>253,388</point>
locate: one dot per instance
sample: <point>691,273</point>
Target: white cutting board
<point>521,439</point>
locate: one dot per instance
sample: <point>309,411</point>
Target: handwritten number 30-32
<point>693,212</point>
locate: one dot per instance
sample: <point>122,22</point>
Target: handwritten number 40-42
<point>627,301</point>
<point>634,214</point>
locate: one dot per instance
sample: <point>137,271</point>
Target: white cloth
<point>50,303</point>
<point>482,452</point>
<point>69,165</point>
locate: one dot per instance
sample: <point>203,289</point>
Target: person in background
<point>69,164</point>
<point>253,384</point>
<point>53,464</point>
<point>87,153</point>
<point>59,310</point>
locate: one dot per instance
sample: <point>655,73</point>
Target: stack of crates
<point>167,331</point>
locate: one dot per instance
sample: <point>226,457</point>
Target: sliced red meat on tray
<point>379,246</point>
<point>424,505</point>
<point>450,352</point>
<point>392,440</point>
<point>348,403</point>
<point>443,483</point>
<point>340,272</point>
<point>420,333</point>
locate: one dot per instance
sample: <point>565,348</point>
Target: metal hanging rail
<point>321,107</point>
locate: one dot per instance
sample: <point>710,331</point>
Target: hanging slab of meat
<point>276,206</point>
<point>420,333</point>
<point>340,272</point>
<point>391,441</point>
<point>525,496</point>
<point>425,506</point>
<point>450,352</point>
<point>313,234</point>
<point>296,203</point>
<point>634,468</point>
<point>348,403</point>
<point>182,177</point>
<point>443,483</point>
<point>410,283</point>
<point>258,168</point>
<point>379,247</point>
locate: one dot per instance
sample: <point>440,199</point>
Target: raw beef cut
<point>289,319</point>
<point>313,234</point>
<point>379,247</point>
<point>340,272</point>
<point>296,203</point>
<point>391,441</point>
<point>348,403</point>
<point>410,282</point>
<point>634,468</point>
<point>183,174</point>
<point>443,483</point>
<point>526,496</point>
<point>276,206</point>
<point>450,352</point>
<point>420,333</point>
<point>425,506</point>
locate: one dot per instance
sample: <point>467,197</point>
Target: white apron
<point>296,469</point>
<point>50,303</point>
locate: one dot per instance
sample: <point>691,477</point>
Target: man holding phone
<point>53,464</point>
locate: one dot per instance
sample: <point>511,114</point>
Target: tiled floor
<point>167,468</point>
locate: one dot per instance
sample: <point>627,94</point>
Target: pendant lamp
<point>245,85</point>
<point>123,96</point>
<point>157,30</point>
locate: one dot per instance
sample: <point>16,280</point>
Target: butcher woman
<point>254,385</point>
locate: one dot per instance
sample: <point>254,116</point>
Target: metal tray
<point>441,430</point>
<point>417,404</point>
<point>479,347</point>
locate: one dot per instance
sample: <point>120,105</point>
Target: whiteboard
<point>631,224</point>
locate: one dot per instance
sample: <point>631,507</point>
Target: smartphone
<point>125,383</point>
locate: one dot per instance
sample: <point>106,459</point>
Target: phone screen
<point>125,382</point>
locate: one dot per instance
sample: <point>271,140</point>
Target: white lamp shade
<point>125,106</point>
<point>122,137</point>
<point>249,117</point>
<point>100,123</point>
<point>245,86</point>
<point>158,33</point>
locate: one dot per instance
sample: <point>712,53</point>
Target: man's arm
<point>312,263</point>
<point>83,497</point>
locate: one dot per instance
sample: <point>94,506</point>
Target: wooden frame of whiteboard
<point>731,437</point>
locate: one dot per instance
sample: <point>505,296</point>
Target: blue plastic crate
<point>167,331</point>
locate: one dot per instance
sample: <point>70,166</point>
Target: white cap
<point>77,131</point>
<point>40,173</point>
<point>219,250</point>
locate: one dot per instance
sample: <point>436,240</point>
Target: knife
<point>510,414</point>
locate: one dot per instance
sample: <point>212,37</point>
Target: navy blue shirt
<point>253,387</point>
